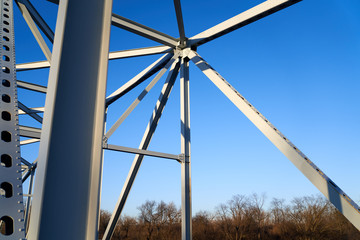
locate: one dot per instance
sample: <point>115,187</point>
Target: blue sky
<point>299,67</point>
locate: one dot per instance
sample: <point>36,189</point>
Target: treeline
<point>241,218</point>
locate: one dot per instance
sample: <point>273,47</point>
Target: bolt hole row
<point>6,189</point>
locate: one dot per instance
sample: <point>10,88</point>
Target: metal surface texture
<point>82,131</point>
<point>11,199</point>
<point>83,178</point>
<point>186,214</point>
<point>318,178</point>
<point>149,132</point>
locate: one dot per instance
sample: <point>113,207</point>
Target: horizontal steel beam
<point>139,52</point>
<point>258,12</point>
<point>149,132</point>
<point>30,132</point>
<point>143,30</point>
<point>32,65</point>
<point>31,86</point>
<point>141,152</point>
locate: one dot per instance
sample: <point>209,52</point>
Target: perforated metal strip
<point>11,199</point>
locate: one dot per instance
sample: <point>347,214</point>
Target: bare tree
<point>310,216</point>
<point>148,217</point>
<point>233,217</point>
<point>258,215</point>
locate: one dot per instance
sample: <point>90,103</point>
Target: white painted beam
<point>318,178</point>
<point>258,12</point>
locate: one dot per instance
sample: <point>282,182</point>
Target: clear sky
<point>299,67</point>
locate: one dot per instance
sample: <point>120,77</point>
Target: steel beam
<point>258,12</point>
<point>39,20</point>
<point>180,22</point>
<point>143,31</point>
<point>139,52</point>
<point>140,97</point>
<point>73,145</point>
<point>186,215</point>
<point>165,92</point>
<point>142,76</point>
<point>141,152</point>
<point>28,202</point>
<point>32,25</point>
<point>32,65</point>
<point>30,132</point>
<point>30,112</point>
<point>11,198</point>
<point>29,141</point>
<point>31,86</point>
<point>139,29</point>
<point>26,174</point>
<point>330,190</point>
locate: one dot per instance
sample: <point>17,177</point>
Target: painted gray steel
<point>11,199</point>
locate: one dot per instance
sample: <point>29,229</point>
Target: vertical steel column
<point>186,218</point>
<point>11,198</point>
<point>67,184</point>
<point>149,132</point>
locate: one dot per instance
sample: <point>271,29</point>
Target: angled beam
<point>39,20</point>
<point>32,110</point>
<point>54,1</point>
<point>180,22</point>
<point>141,152</point>
<point>29,141</point>
<point>330,190</point>
<point>142,76</point>
<point>30,132</point>
<point>186,215</point>
<point>258,12</point>
<point>31,86</point>
<point>139,52</point>
<point>165,92</point>
<point>30,113</point>
<point>140,97</point>
<point>139,29</point>
<point>143,30</point>
<point>30,22</point>
<point>26,174</point>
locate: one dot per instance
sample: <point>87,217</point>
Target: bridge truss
<point>72,131</point>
